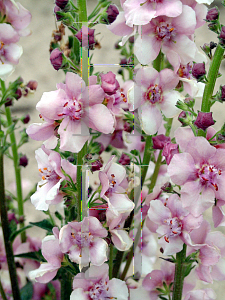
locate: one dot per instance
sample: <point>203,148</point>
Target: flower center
<point>48,174</point>
<point>73,109</point>
<point>174,228</point>
<point>208,175</point>
<point>100,291</point>
<point>165,31</point>
<point>184,71</point>
<point>82,239</point>
<point>154,94</point>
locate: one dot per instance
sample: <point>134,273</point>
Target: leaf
<point>14,234</point>
<point>27,291</point>
<point>44,224</point>
<point>37,255</point>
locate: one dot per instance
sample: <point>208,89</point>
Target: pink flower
<point>83,241</point>
<point>171,35</point>
<point>140,12</point>
<point>200,171</point>
<point>152,94</point>
<point>174,223</point>
<point>95,284</point>
<point>76,107</point>
<point>52,253</point>
<point>49,165</point>
<point>113,179</point>
<point>207,294</point>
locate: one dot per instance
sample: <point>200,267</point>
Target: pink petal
<point>168,105</point>
<point>98,252</point>
<point>150,117</point>
<point>146,48</point>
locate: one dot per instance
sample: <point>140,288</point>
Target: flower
<point>95,284</point>
<point>83,242</point>
<point>152,94</point>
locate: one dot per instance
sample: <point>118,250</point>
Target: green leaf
<point>37,255</point>
<point>14,233</point>
<point>44,224</point>
<point>27,291</point>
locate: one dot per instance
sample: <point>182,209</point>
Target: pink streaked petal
<point>168,80</point>
<point>200,149</point>
<point>200,11</point>
<point>190,222</point>
<point>218,159</point>
<point>121,239</point>
<point>45,273</point>
<point>100,118</point>
<point>209,255</point>
<point>13,53</point>
<point>150,117</point>
<point>104,182</point>
<point>54,159</point>
<point>73,135</point>
<point>70,169</point>
<point>98,252</point>
<point>94,227</point>
<point>158,213</point>
<point>134,96</point>
<point>220,193</point>
<point>182,168</point>
<point>119,172</point>
<point>146,48</point>
<point>168,105</point>
<point>169,8</point>
<point>203,273</point>
<point>121,203</point>
<point>196,198</point>
<point>173,57</point>
<point>185,23</point>
<point>8,34</point>
<point>175,245</point>
<point>51,251</point>
<point>218,271</point>
<point>183,135</point>
<point>79,294</point>
<point>152,280</point>
<point>118,289</point>
<point>74,85</point>
<point>95,95</point>
<point>41,131</point>
<point>147,76</point>
<point>6,70</point>
<point>51,104</point>
<point>218,216</point>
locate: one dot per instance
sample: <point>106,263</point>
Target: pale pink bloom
<point>48,189</point>
<point>139,12</point>
<point>200,171</point>
<point>174,223</point>
<point>77,107</point>
<point>95,284</point>
<point>18,16</point>
<point>207,294</point>
<point>218,214</point>
<point>153,93</point>
<point>114,184</point>
<point>51,251</point>
<point>211,247</point>
<point>83,242</point>
<point>171,35</point>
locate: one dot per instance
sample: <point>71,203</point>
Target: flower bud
<point>131,39</point>
<point>222,92</point>
<point>124,159</point>
<point>212,14</point>
<point>198,70</point>
<point>159,141</point>
<point>204,120</point>
<point>23,161</point>
<point>8,102</point>
<point>18,94</point>
<point>32,85</point>
<point>109,83</point>
<point>56,58</point>
<point>169,150</point>
<point>58,17</point>
<point>112,13</point>
<point>185,118</point>
<point>167,187</point>
<point>222,35</point>
<point>61,3</point>
<point>96,165</point>
<point>25,119</point>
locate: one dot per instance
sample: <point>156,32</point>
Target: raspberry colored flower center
<point>82,239</point>
<point>174,228</point>
<point>154,94</point>
<point>165,31</point>
<point>73,109</point>
<point>100,291</point>
<point>208,175</point>
<point>184,71</point>
<point>49,174</point>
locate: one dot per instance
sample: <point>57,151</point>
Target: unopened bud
<point>159,141</point>
<point>96,165</point>
<point>212,14</point>
<point>23,161</point>
<point>169,150</point>
<point>198,70</point>
<point>124,159</point>
<point>32,85</point>
<point>222,92</point>
<point>61,3</point>
<point>204,120</point>
<point>222,35</point>
<point>9,102</point>
<point>25,119</point>
<point>57,59</point>
<point>112,13</point>
<point>185,118</point>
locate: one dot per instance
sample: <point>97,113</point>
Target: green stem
<point>111,261</point>
<point>158,62</point>
<point>81,180</point>
<point>66,285</point>
<point>17,173</point>
<point>211,78</point>
<point>6,235</point>
<point>179,274</point>
<point>2,292</point>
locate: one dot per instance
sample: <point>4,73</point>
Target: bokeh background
<point>35,65</point>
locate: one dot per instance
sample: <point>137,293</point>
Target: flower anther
<point>154,94</point>
<point>164,31</point>
<point>208,174</point>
